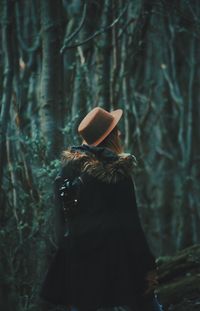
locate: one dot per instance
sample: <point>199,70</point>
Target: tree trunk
<point>50,80</point>
<point>7,39</point>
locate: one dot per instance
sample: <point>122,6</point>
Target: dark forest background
<point>58,60</point>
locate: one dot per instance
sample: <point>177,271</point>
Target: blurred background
<point>58,60</point>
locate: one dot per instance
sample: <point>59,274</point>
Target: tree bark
<point>7,39</point>
<point>50,79</point>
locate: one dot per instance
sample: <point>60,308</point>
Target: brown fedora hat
<point>97,124</point>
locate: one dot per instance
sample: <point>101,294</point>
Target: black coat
<point>104,258</point>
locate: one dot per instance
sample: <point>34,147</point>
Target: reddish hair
<point>112,141</point>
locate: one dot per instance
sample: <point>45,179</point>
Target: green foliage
<point>29,222</point>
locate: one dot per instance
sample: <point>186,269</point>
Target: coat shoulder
<point>103,169</point>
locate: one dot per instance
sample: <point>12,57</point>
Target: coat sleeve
<point>61,225</point>
<point>146,259</point>
<point>59,217</point>
<point>69,171</point>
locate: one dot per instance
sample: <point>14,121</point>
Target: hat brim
<point>117,114</point>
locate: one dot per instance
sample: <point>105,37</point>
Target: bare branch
<point>97,33</point>
<point>164,153</point>
<point>71,37</point>
<point>189,136</point>
<point>123,31</point>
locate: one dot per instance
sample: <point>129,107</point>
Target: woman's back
<point>103,257</point>
<point>106,253</point>
<point>106,198</point>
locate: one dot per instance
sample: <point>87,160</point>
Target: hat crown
<point>97,124</point>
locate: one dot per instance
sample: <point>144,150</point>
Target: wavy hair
<point>113,141</point>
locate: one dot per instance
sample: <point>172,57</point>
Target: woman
<point>103,259</point>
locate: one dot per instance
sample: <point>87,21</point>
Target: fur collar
<point>101,163</point>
